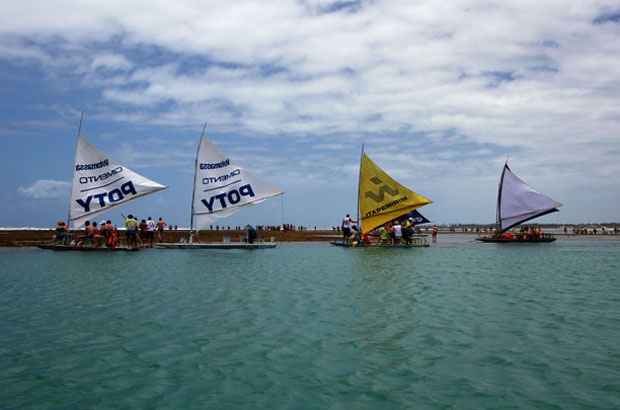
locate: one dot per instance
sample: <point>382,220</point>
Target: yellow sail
<point>382,198</point>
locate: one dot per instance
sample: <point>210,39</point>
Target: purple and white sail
<point>517,202</point>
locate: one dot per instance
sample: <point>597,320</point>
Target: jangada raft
<point>99,184</point>
<point>517,202</point>
<point>217,245</point>
<point>382,199</point>
<point>87,248</point>
<point>221,188</point>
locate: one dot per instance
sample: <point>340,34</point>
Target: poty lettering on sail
<point>230,198</point>
<point>108,197</point>
<point>100,183</point>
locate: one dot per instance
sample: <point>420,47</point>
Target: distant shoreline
<point>34,237</point>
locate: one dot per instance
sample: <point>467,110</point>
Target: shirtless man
<point>161,226</point>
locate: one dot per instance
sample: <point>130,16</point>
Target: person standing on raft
<point>161,226</point>
<point>61,234</point>
<point>251,234</point>
<point>347,224</point>
<point>131,231</point>
<point>150,230</point>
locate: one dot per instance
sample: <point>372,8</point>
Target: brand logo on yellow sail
<point>383,189</point>
<point>386,207</point>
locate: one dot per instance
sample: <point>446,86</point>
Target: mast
<point>359,186</point>
<point>191,223</point>
<point>282,210</point>
<point>77,138</point>
<point>499,199</point>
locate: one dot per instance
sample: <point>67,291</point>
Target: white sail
<point>518,202</point>
<point>100,183</point>
<point>221,188</point>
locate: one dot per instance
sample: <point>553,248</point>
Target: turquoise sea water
<point>309,326</point>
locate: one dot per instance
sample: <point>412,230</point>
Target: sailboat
<point>518,202</point>
<point>99,184</point>
<point>221,188</point>
<point>382,199</point>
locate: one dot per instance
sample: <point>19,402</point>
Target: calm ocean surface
<point>309,326</point>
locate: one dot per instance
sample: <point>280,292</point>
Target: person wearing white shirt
<point>346,226</point>
<point>150,230</point>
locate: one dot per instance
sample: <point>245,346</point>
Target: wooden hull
<point>85,249</point>
<point>217,245</point>
<point>502,240</point>
<point>413,245</point>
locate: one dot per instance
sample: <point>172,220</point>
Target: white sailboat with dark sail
<point>518,202</point>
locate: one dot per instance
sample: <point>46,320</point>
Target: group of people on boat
<point>106,234</point>
<point>141,234</point>
<point>392,233</point>
<point>525,233</point>
<point>94,235</point>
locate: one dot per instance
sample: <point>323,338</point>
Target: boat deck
<point>545,239</point>
<point>217,245</point>
<point>86,248</point>
<point>421,244</point>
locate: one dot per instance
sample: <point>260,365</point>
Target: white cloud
<point>109,61</point>
<point>46,189</point>
<point>14,50</point>
<point>420,65</point>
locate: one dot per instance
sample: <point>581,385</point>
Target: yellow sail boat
<point>382,199</point>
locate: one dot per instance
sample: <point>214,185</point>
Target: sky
<point>440,93</point>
